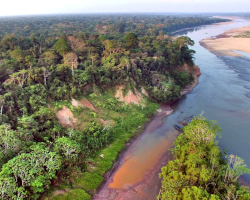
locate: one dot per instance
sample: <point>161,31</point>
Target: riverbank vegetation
<point>243,35</point>
<point>199,169</point>
<point>73,65</point>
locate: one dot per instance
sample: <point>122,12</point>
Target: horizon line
<point>96,13</point>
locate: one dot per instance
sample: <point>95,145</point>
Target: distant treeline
<point>57,25</point>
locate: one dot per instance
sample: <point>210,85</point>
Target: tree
<point>102,38</point>
<point>10,144</point>
<point>36,96</point>
<point>30,60</point>
<point>68,149</point>
<point>94,58</point>
<point>201,129</point>
<point>199,170</point>
<point>32,173</point>
<point>236,167</point>
<point>50,56</point>
<point>110,45</point>
<point>46,74</point>
<point>131,40</point>
<point>27,128</point>
<point>62,47</point>
<point>9,190</point>
<point>195,193</point>
<point>71,60</point>
<point>125,62</point>
<point>17,54</point>
<point>1,103</point>
<point>184,41</point>
<point>63,73</point>
<point>19,77</point>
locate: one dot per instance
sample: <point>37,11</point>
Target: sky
<point>31,7</point>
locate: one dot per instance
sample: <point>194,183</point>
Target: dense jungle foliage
<point>48,60</point>
<point>199,170</point>
<point>48,26</point>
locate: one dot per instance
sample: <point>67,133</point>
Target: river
<point>223,94</point>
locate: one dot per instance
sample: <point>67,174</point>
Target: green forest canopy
<point>48,60</point>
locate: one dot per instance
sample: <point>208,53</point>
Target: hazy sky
<point>26,7</point>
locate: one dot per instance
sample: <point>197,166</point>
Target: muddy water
<point>222,94</point>
<point>140,164</point>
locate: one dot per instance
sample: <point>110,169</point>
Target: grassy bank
<point>127,121</point>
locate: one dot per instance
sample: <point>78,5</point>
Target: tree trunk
<point>44,78</point>
<point>72,67</point>
<point>1,110</point>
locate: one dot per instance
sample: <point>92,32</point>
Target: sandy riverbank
<point>225,43</point>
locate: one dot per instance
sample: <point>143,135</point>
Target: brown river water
<point>148,153</point>
<point>223,94</point>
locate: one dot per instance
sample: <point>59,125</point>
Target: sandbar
<point>230,40</point>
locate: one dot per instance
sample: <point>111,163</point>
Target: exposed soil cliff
<point>82,103</point>
<point>130,97</point>
<point>66,117</point>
